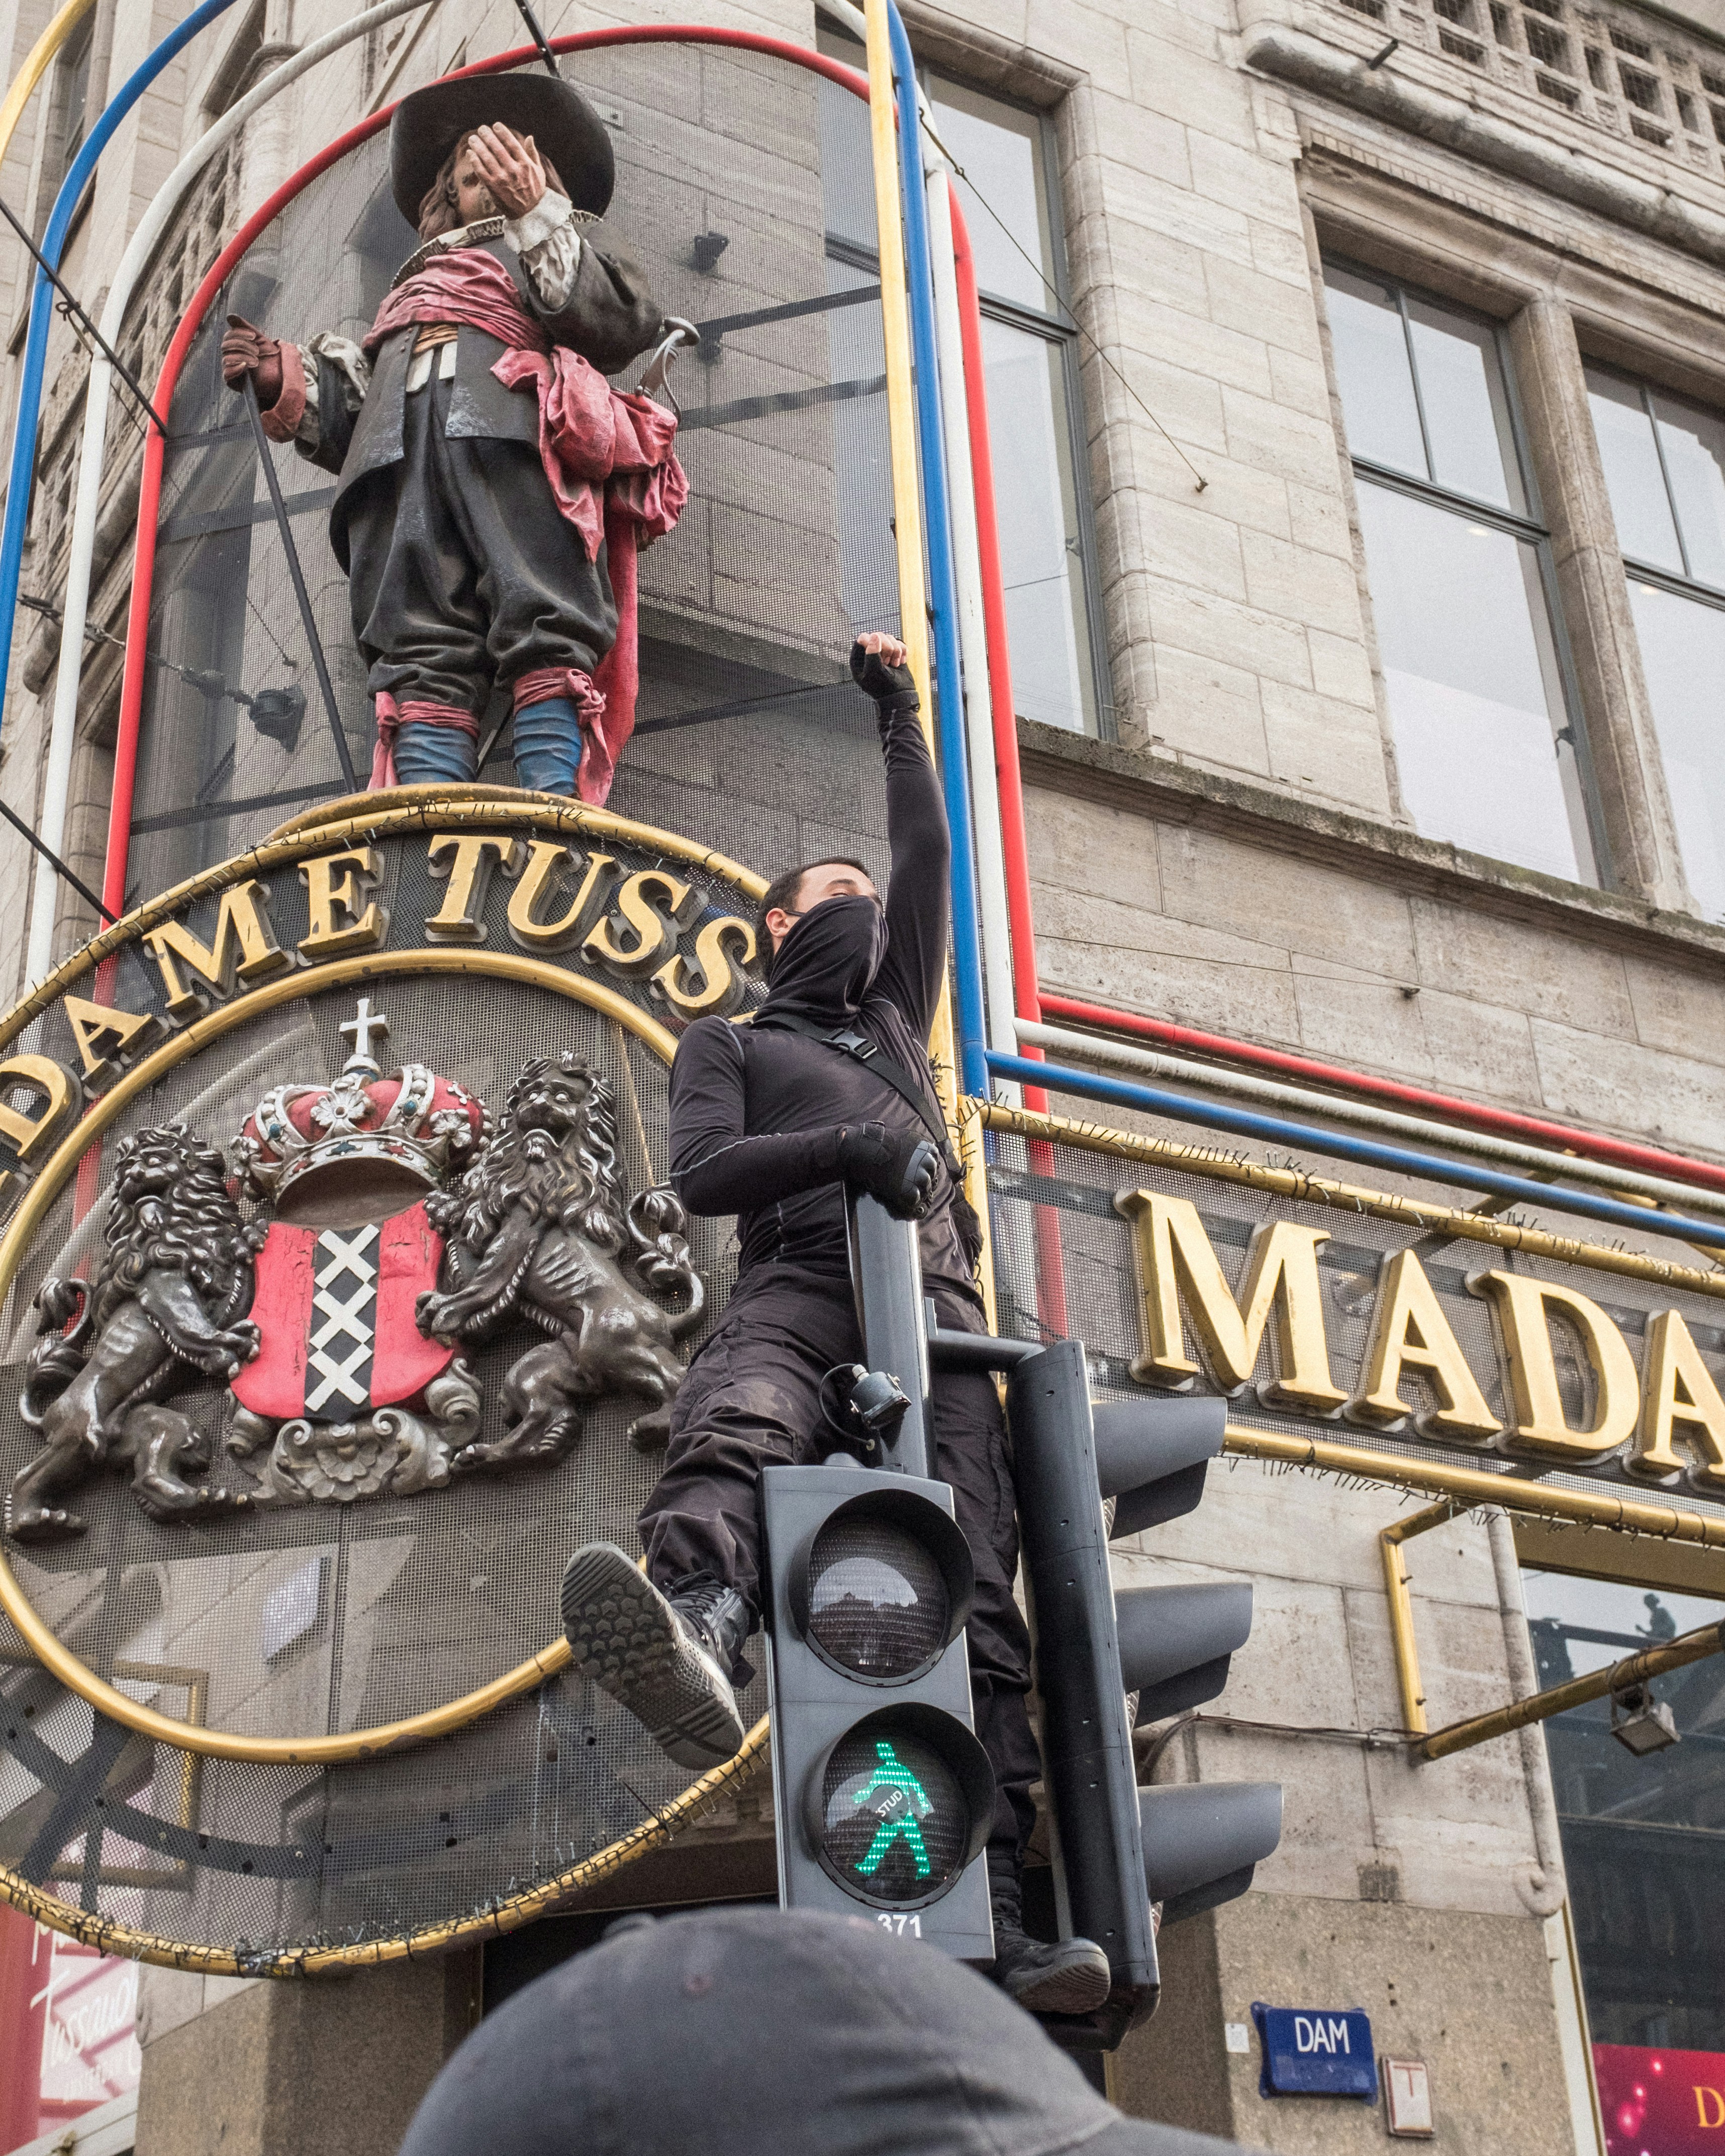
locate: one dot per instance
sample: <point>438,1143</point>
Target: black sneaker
<point>652,1656</point>
<point>1070,1976</point>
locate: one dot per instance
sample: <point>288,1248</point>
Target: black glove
<point>886,685</point>
<point>896,1167</point>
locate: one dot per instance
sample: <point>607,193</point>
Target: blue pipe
<point>1430,1167</point>
<point>942,576</point>
<point>53,241</point>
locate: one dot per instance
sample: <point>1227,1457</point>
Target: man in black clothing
<point>772,1122</point>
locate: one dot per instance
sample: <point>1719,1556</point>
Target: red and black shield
<point>336,1309</point>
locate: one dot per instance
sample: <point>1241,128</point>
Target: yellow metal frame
<point>428,809</point>
<point>696,1802</point>
<point>1319,1190</point>
<point>21,87</point>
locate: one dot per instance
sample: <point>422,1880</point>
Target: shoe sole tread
<point>622,1634</point>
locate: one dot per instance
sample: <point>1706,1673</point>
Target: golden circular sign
<point>635,925</point>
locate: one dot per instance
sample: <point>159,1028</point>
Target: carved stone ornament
<point>336,1318</point>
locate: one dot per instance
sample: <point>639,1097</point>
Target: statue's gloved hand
<point>878,668</point>
<point>246,351</point>
<point>896,1167</point>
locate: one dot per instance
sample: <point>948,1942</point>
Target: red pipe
<point>1590,1144</point>
<point>131,694</point>
<point>1014,848</point>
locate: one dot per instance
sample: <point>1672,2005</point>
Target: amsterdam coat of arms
<point>397,1224</point>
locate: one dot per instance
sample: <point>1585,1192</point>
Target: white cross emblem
<point>346,1298</point>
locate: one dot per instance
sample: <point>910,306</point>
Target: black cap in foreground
<point>746,2032</point>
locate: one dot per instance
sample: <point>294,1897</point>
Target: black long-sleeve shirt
<point>756,1113</point>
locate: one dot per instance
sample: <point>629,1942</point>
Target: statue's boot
<point>547,746</point>
<point>667,1660</point>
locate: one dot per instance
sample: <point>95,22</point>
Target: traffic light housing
<point>1118,1848</point>
<point>883,1796</point>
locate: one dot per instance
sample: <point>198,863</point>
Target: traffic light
<point>884,1797</point>
<point>1118,1848</point>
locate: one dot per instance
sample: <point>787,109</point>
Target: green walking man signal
<point>905,1801</point>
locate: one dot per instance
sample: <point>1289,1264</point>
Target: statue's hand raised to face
<point>246,351</point>
<point>509,166</point>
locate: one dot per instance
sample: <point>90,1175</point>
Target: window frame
<point>1058,325</point>
<point>1682,586</point>
<point>1530,527</point>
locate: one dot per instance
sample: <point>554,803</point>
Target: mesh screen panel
<point>331,1618</point>
<point>750,736</point>
<point>750,739</point>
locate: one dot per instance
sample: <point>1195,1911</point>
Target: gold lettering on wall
<point>33,1134</point>
<point>1410,1331</point>
<point>337,885</point>
<point>655,932</point>
<point>723,984</point>
<point>1678,1387</point>
<point>1524,1308</point>
<point>467,861</point>
<point>1172,1252</point>
<point>104,1035</point>
<point>545,859</point>
<point>244,948</point>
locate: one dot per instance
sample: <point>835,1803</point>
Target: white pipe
<point>1565,1166</point>
<point>1543,1887</point>
<point>62,729</point>
<point>998,1005</point>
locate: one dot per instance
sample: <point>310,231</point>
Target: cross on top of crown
<point>359,1029</point>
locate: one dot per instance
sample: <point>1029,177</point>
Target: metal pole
<point>886,1272</point>
<point>1304,1137</point>
<point>942,591</point>
<point>1600,1684</point>
<point>300,594</point>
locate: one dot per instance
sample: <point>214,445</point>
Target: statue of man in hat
<point>494,488</point>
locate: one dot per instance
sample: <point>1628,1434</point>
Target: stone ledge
<point>1173,792</point>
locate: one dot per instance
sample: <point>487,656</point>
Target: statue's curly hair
<point>568,1178</point>
<point>438,214</point>
<point>172,1212</point>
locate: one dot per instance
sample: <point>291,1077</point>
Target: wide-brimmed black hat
<point>564,126</point>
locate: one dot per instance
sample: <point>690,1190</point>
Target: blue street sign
<point>1316,2051</point>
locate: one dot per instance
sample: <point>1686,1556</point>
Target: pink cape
<point>607,457</point>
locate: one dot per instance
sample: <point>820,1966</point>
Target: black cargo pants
<point>752,1400</point>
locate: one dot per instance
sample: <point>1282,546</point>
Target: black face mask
<point>827,964</point>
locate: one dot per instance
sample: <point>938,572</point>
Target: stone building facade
<point>1355,286</point>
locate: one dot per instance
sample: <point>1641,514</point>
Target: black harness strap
<point>872,1057</point>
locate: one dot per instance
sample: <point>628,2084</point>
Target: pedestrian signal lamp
<point>883,1794</point>
<point>1119,1848</point>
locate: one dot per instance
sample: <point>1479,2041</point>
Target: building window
<point>68,98</point>
<point>1487,738</point>
<point>1644,1847</point>
<point>1011,207</point>
<point>1665,472</point>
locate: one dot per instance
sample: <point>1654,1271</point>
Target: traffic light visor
<point>1175,1642</point>
<point>1151,1457</point>
<point>898,1805</point>
<point>883,1587</point>
<point>1202,1840</point>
